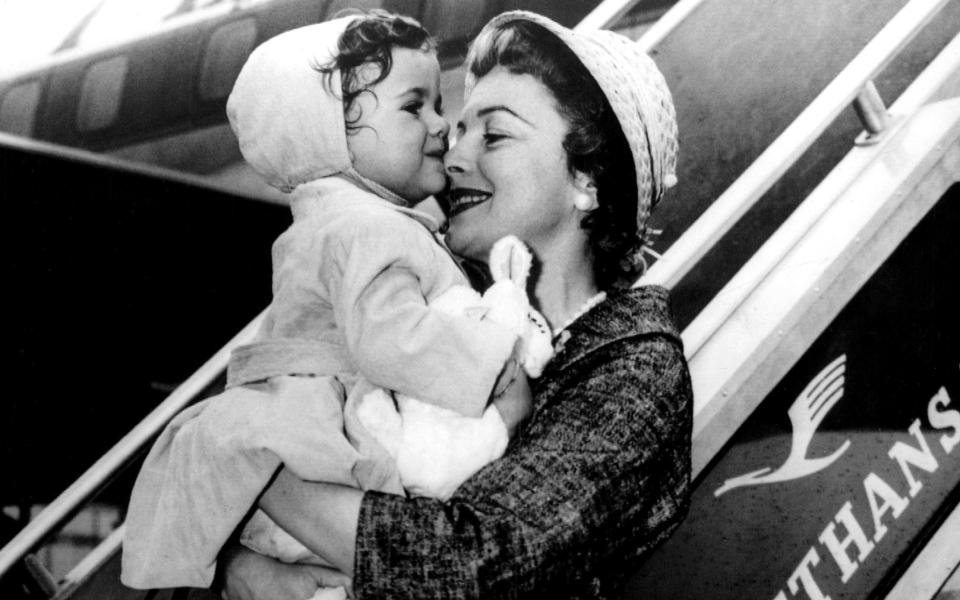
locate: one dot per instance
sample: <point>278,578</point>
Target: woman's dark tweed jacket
<point>598,477</point>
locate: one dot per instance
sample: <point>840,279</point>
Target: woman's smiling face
<point>508,169</point>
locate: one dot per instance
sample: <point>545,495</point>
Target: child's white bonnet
<point>287,116</point>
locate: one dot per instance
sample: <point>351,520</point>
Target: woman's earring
<point>585,202</point>
<point>586,194</point>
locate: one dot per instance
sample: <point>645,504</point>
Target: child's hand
<point>515,403</point>
<point>510,370</point>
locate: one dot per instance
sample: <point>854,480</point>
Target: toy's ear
<point>539,347</point>
<point>510,260</point>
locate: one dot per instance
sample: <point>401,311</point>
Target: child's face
<point>400,138</point>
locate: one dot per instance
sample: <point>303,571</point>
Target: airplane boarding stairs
<point>827,366</point>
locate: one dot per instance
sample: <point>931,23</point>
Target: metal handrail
<point>607,13</point>
<point>667,23</point>
<point>604,14</point>
<point>779,156</point>
<point>735,292</point>
<point>88,484</point>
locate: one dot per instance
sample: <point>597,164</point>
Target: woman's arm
<point>598,479</point>
<point>323,516</point>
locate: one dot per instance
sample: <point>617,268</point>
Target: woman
<point>567,140</point>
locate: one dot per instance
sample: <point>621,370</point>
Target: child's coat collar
<point>312,198</point>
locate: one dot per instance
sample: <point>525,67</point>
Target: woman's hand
<point>247,575</point>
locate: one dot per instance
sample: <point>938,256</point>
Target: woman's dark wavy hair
<point>370,39</point>
<point>595,144</point>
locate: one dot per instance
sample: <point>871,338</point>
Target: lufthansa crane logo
<point>806,413</point>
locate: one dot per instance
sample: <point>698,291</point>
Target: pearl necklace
<point>589,304</point>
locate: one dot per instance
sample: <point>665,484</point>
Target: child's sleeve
<point>380,274</point>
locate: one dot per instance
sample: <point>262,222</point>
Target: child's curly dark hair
<point>370,39</point>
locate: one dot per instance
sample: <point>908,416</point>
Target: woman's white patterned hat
<point>638,94</point>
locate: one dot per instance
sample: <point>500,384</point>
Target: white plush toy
<point>506,303</point>
<point>437,449</point>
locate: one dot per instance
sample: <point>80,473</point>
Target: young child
<point>344,115</point>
